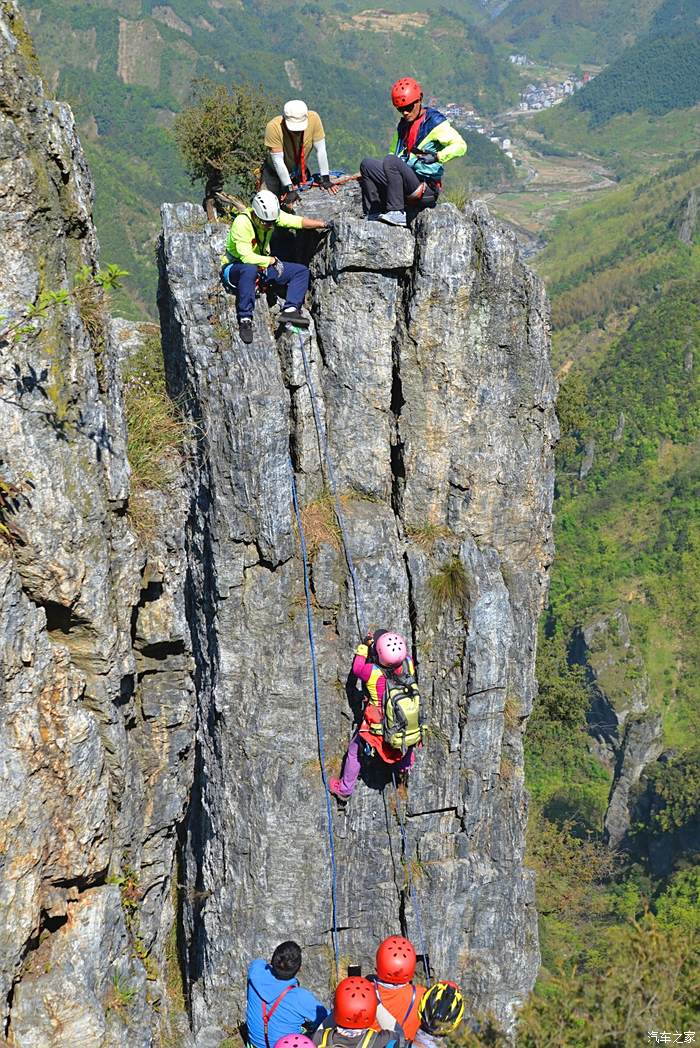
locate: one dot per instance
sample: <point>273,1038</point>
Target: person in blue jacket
<point>276,1003</point>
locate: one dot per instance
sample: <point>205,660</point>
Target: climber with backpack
<point>352,1022</point>
<point>440,1012</point>
<point>392,724</point>
<point>248,264</point>
<point>398,998</point>
<point>276,1004</point>
<point>410,176</point>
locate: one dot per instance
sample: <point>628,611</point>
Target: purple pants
<point>351,767</point>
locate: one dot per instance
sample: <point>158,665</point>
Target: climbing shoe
<point>394,218</point>
<point>334,788</point>
<point>292,315</point>
<point>245,329</point>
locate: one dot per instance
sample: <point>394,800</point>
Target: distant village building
<point>544,95</point>
<point>518,60</point>
<point>505,144</point>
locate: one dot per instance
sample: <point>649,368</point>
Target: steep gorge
<point>158,709</point>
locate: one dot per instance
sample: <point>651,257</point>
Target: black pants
<point>386,184</point>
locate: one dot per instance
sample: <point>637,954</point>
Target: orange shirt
<point>397,1001</point>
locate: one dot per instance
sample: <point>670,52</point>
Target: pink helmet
<point>294,1040</point>
<point>391,649</point>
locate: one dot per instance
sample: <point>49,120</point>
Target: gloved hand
<point>291,195</point>
<point>325,183</point>
<point>423,154</point>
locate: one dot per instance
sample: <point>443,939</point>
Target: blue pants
<point>242,277</point>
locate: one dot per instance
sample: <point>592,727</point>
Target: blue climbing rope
<point>319,726</point>
<point>411,884</point>
<point>321,431</point>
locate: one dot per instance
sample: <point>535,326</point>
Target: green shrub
<point>219,135</point>
<point>649,980</point>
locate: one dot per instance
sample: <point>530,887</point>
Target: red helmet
<point>405,91</point>
<point>355,1004</point>
<point>396,960</point>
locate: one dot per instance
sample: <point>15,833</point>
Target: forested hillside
<point>591,31</point>
<point>616,116</point>
<point>126,66</point>
<point>623,620</point>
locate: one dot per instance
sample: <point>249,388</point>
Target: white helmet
<point>266,206</point>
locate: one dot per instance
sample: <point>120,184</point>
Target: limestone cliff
<point>429,356</point>
<point>96,762</point>
<point>160,747</point>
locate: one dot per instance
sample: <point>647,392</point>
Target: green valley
<point>126,67</point>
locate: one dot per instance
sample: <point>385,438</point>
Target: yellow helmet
<point>441,1008</point>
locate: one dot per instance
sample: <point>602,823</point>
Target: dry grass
<point>320,523</point>
<point>511,711</point>
<point>156,430</point>
<point>414,871</point>
<point>428,535</point>
<point>507,770</point>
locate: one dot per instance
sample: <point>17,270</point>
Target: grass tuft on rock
<point>450,585</point>
<point>156,430</point>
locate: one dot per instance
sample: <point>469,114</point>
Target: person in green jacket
<point>248,261</point>
<point>410,175</point>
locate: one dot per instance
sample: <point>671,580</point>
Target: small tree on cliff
<point>220,136</point>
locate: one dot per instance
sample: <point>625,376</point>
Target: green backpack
<point>403,723</point>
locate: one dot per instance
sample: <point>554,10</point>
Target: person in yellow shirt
<point>289,140</point>
<point>248,260</point>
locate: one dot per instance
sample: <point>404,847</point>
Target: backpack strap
<point>326,1035</point>
<point>367,1039</point>
<point>413,995</point>
<point>268,1013</point>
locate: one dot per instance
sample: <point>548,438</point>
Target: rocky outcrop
<point>429,357</point>
<point>95,703</point>
<point>641,745</point>
<point>625,734</point>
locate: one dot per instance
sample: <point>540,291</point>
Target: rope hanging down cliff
<point>319,725</point>
<point>321,433</point>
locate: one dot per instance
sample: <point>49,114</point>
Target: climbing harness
<point>361,627</point>
<point>319,725</point>
<point>411,1003</point>
<point>267,1013</point>
<point>364,1043</point>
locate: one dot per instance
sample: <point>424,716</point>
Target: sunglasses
<point>407,109</point>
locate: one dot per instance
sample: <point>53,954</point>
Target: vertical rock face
<point>96,760</point>
<point>429,359</point>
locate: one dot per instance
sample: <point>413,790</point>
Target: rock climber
<point>398,999</point>
<point>289,139</point>
<point>441,1011</point>
<point>409,177</point>
<point>388,676</point>
<point>351,1024</point>
<point>276,1003</point>
<point>248,262</point>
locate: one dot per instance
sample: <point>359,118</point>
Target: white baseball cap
<point>296,114</point>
